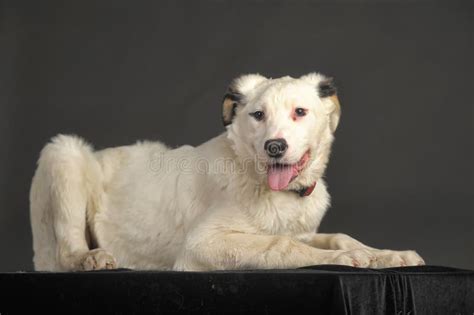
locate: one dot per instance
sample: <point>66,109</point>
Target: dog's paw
<point>355,257</point>
<point>98,259</point>
<point>392,258</point>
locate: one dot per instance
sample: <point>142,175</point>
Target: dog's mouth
<point>280,175</point>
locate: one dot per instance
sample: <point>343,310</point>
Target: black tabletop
<point>316,290</point>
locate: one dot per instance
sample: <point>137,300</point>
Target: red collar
<point>305,191</point>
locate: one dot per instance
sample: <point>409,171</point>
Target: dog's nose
<point>275,148</point>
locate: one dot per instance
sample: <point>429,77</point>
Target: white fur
<point>147,206</point>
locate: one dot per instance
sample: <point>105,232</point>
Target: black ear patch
<point>233,95</point>
<point>229,105</point>
<point>327,88</point>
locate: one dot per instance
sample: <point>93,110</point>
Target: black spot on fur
<point>235,96</point>
<point>327,88</point>
<point>234,107</point>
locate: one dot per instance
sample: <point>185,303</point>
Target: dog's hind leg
<point>67,176</point>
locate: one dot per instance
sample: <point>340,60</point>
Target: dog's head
<point>286,125</point>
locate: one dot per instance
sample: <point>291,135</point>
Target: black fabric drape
<point>315,290</point>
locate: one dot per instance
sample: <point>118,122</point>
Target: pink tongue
<point>280,176</point>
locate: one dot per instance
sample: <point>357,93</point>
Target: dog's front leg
<point>339,241</point>
<point>234,250</point>
<point>335,241</point>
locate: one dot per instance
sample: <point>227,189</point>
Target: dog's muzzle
<point>275,148</point>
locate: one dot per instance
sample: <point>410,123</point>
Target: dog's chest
<point>287,215</point>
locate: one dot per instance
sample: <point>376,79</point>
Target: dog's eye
<point>300,112</point>
<point>258,115</point>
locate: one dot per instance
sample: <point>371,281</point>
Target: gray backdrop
<point>401,174</point>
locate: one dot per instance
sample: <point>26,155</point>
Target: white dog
<point>253,197</point>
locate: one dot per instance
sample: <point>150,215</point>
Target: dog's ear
<point>327,91</point>
<point>235,95</point>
